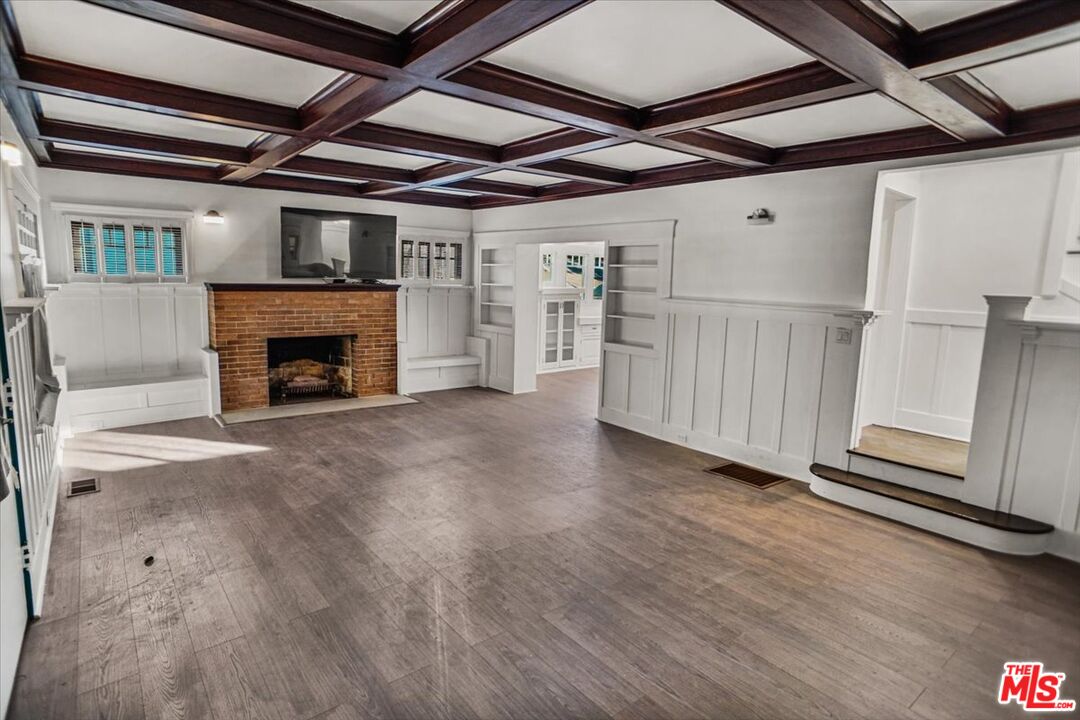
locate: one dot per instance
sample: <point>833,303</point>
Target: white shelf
<point>496,304</point>
<point>487,284</point>
<point>633,265</point>
<point>630,344</point>
<point>496,264</point>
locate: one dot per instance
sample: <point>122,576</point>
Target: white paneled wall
<point>128,331</point>
<point>1042,469</point>
<point>940,371</point>
<point>437,320</point>
<point>768,386</point>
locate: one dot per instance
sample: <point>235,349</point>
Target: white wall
<point>995,227</point>
<point>246,248</point>
<point>815,252</point>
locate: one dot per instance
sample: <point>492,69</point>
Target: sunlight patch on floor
<point>115,452</point>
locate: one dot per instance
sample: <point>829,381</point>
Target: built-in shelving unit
<point>497,287</point>
<point>630,305</point>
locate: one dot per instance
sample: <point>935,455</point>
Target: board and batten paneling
<point>773,387</point>
<point>118,331</point>
<point>1041,478</point>
<point>940,371</point>
<point>437,320</point>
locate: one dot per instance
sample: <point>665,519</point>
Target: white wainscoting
<point>118,331</point>
<point>769,386</point>
<point>1042,464</point>
<point>133,353</point>
<point>434,324</point>
<point>940,371</point>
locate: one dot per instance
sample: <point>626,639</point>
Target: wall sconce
<point>11,154</point>
<point>761,216</point>
<point>213,217</point>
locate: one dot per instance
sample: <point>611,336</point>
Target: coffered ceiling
<point>480,103</point>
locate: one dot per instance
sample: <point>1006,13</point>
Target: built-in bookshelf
<point>497,287</point>
<point>631,290</point>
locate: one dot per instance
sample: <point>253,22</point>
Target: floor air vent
<point>747,475</point>
<point>82,487</point>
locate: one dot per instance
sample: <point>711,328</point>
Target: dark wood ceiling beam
<point>414,142</point>
<point>84,83</point>
<point>92,162</point>
<point>786,89</point>
<point>583,172</point>
<point>494,187</point>
<point>109,139</point>
<point>554,145</point>
<point>340,168</point>
<point>721,148</point>
<point>857,42</point>
<point>999,34</point>
<point>283,28</point>
<point>475,28</point>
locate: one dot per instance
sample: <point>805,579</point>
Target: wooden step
<point>938,503</point>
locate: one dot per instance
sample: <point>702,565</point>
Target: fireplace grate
<point>83,487</point>
<point>747,475</point>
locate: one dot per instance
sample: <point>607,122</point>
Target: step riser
<point>1012,543</point>
<point>924,480</point>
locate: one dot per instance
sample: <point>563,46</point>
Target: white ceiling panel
<point>634,156</point>
<point>445,115</point>
<point>57,107</point>
<point>840,118</point>
<point>351,153</point>
<point>134,155</point>
<point>521,178</point>
<point>923,14</point>
<point>390,15</point>
<point>86,34</point>
<point>1037,79</point>
<point>648,51</point>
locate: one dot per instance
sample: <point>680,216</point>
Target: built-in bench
<point>442,372</point>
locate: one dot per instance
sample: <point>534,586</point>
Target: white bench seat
<point>438,361</point>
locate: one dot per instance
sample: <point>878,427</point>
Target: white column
<point>998,374</point>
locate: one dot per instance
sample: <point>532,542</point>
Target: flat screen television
<point>326,243</point>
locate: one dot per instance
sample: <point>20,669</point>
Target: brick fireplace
<point>245,317</point>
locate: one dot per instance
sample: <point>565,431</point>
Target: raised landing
<point>914,449</point>
<point>953,518</point>
<point>234,417</point>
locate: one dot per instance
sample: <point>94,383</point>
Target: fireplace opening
<point>306,369</point>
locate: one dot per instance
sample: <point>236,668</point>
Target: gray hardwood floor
<point>482,555</point>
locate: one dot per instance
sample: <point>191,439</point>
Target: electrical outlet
<point>843,336</point>
<point>681,438</point>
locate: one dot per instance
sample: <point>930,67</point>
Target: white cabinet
<point>558,333</point>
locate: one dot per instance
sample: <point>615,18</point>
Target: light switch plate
<point>843,336</point>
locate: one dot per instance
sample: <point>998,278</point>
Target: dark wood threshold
<point>938,503</point>
<point>913,466</point>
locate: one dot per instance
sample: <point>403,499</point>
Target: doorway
<point>570,282</point>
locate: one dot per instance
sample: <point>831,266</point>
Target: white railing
<point>34,453</point>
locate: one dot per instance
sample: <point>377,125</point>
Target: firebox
<point>303,369</point>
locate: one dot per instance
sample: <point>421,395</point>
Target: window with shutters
<point>121,249</point>
<point>439,262</point>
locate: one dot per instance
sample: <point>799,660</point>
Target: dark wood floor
<point>481,555</point>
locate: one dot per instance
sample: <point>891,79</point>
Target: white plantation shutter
<point>172,250</point>
<point>84,255</point>
<point>144,238</point>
